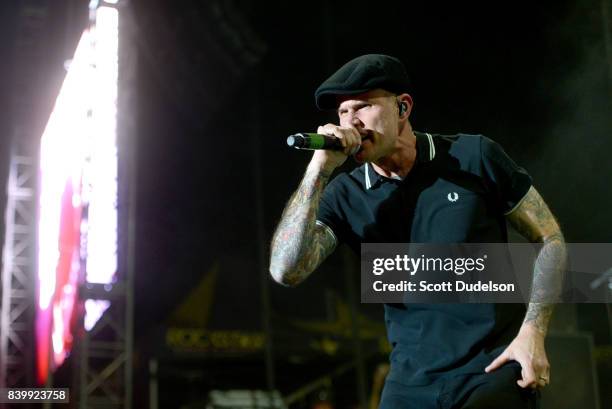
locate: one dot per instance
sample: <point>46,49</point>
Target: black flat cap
<point>363,74</point>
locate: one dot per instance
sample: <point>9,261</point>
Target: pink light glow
<point>62,149</point>
<point>61,158</point>
<point>78,170</point>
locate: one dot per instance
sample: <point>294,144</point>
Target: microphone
<point>314,141</point>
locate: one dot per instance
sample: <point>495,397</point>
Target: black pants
<point>495,390</point>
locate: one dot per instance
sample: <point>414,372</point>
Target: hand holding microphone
<point>332,144</point>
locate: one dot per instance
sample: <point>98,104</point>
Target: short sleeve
<point>329,214</point>
<point>509,181</point>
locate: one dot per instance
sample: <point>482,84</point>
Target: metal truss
<point>18,276</point>
<point>104,352</point>
<point>18,299</point>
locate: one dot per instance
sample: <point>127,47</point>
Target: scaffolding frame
<point>18,272</point>
<point>18,289</point>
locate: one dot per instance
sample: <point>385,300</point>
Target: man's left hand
<point>528,350</point>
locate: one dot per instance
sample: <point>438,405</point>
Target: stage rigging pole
<point>18,292</point>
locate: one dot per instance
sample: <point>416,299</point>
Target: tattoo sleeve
<point>299,244</point>
<point>535,222</point>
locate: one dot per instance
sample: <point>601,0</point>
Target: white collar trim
<point>367,177</point>
<point>432,147</point>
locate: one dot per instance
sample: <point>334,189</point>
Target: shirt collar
<point>426,152</point>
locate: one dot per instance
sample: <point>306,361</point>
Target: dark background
<point>220,84</point>
<point>532,77</point>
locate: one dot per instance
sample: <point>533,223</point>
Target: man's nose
<point>355,121</point>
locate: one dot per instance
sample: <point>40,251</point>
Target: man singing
<point>444,355</point>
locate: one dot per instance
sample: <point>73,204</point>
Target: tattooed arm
<point>299,244</point>
<point>534,221</point>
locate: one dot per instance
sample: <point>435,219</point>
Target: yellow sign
<point>201,339</point>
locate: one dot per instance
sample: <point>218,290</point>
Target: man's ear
<point>404,103</point>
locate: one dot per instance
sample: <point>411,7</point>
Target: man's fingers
<point>355,149</point>
<point>543,380</point>
<point>542,369</point>
<point>528,376</point>
<point>497,362</point>
<point>541,374</point>
<point>353,140</point>
<point>349,137</point>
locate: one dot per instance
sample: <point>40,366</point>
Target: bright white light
<point>93,311</point>
<point>101,170</point>
<point>62,149</point>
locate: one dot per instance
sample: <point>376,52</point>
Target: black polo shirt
<point>458,191</point>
